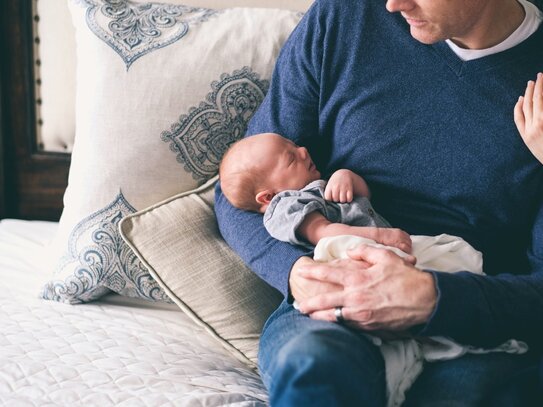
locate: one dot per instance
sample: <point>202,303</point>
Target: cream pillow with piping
<point>178,241</point>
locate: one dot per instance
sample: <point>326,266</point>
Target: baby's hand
<point>529,117</point>
<point>395,238</point>
<point>340,187</point>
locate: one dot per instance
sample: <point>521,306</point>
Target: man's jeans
<point>304,362</point>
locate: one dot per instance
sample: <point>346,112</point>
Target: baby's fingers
<point>331,193</point>
<point>328,192</point>
<point>345,195</point>
<point>338,193</point>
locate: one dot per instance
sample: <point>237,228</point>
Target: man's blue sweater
<point>435,139</point>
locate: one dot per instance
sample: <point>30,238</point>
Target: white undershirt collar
<point>532,20</point>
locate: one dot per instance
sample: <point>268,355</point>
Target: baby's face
<point>287,165</point>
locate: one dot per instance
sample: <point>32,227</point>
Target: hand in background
<point>529,117</point>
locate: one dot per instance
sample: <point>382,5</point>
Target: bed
<point>116,351</point>
<point>112,349</point>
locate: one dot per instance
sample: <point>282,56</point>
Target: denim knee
<point>323,367</point>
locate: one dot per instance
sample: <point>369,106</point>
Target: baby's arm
<point>315,226</point>
<point>344,185</point>
<point>529,117</point>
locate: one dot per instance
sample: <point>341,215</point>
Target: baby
<point>268,173</point>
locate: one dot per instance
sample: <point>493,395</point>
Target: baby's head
<point>256,168</point>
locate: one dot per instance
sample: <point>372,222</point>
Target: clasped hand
<point>342,187</point>
<point>377,290</point>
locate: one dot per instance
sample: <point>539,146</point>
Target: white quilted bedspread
<point>118,351</point>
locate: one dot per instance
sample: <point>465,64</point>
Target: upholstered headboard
<point>37,108</point>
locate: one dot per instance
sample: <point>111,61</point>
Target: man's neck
<point>498,21</point>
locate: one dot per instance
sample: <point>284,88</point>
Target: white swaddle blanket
<point>404,358</point>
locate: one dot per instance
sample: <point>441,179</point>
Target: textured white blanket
<point>113,352</point>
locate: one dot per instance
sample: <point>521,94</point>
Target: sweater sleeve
<point>488,310</point>
<point>244,232</point>
<point>290,109</point>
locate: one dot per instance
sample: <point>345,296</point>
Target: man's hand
<point>378,290</point>
<point>343,185</point>
<point>529,117</point>
<point>302,288</point>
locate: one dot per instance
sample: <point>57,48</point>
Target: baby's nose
<point>303,152</point>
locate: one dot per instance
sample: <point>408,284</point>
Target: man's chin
<point>424,36</point>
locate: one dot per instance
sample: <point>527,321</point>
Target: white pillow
<point>162,91</point>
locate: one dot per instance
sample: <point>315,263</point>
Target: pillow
<point>178,241</point>
<point>162,91</point>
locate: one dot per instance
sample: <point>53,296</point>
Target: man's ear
<point>264,197</point>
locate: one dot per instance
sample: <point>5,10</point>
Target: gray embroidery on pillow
<point>136,29</point>
<point>201,137</point>
<point>102,262</point>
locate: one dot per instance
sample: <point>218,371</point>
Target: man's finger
<point>374,255</point>
<point>358,320</point>
<point>324,273</point>
<point>410,259</point>
<point>322,302</point>
<point>406,248</point>
<point>324,315</point>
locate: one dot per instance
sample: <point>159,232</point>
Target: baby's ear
<point>264,197</point>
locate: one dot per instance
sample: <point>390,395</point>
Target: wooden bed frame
<point>32,182</point>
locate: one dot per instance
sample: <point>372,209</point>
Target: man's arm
<point>499,307</point>
<point>270,258</point>
<point>290,109</point>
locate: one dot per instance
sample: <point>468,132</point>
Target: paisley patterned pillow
<point>162,91</point>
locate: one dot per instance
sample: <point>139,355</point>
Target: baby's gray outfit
<point>288,209</point>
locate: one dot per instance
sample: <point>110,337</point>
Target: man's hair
<point>240,177</point>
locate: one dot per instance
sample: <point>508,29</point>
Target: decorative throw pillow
<point>162,91</point>
<point>178,241</point>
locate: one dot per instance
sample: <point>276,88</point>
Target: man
<point>418,99</point>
